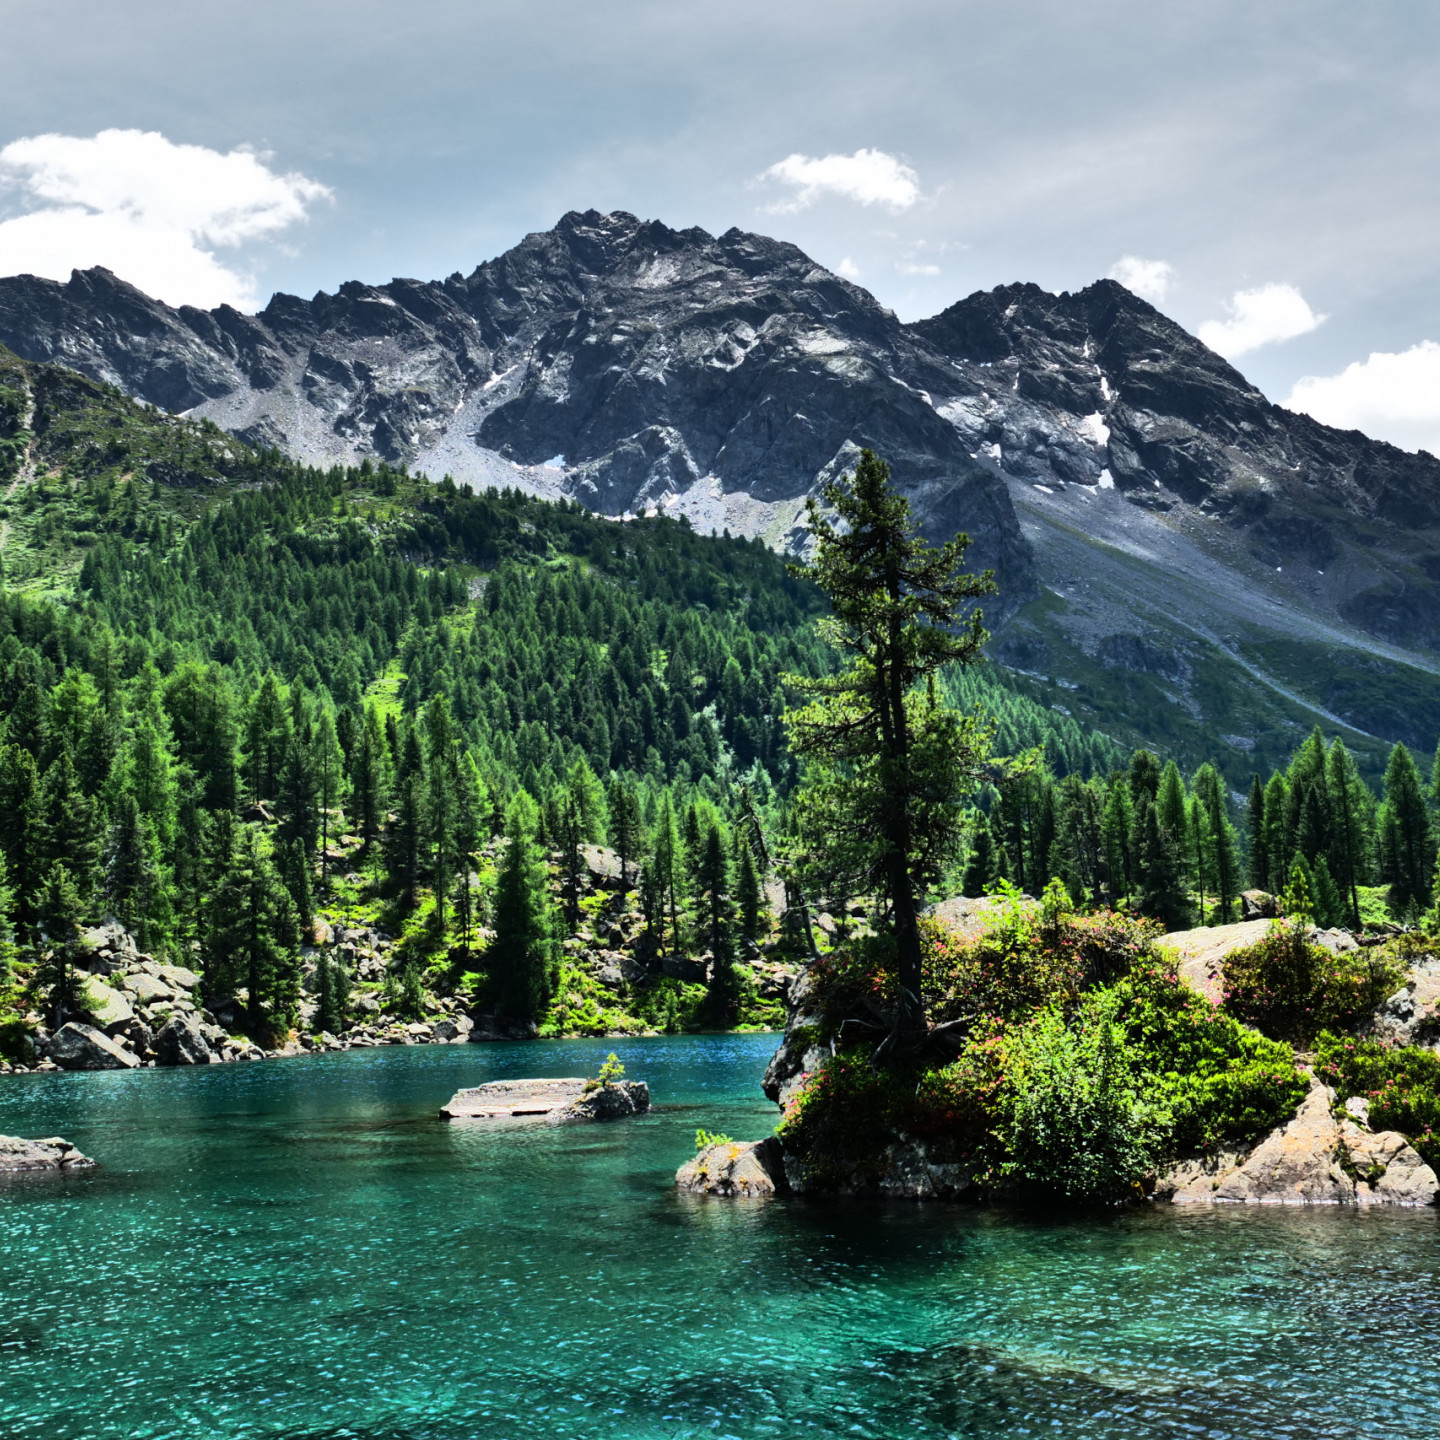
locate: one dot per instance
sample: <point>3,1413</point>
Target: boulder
<point>682,967</point>
<point>1201,953</point>
<point>1258,905</point>
<point>110,1009</point>
<point>745,1169</point>
<point>613,1101</point>
<point>49,1154</point>
<point>512,1099</point>
<point>177,977</point>
<point>1297,1164</point>
<point>452,1029</point>
<point>602,867</point>
<point>1411,1016</point>
<point>148,989</point>
<point>1388,1169</point>
<point>83,1047</point>
<point>181,1043</point>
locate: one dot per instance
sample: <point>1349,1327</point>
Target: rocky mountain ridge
<point>1163,535</point>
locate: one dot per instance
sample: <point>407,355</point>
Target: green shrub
<point>1078,1122</point>
<point>1291,989</point>
<point>1402,1086</point>
<point>1220,1081</point>
<point>704,1140</point>
<point>15,1042</point>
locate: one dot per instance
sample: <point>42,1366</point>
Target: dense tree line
<point>1144,836</point>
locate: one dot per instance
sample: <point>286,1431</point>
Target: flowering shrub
<point>1402,1086</point>
<point>1291,989</point>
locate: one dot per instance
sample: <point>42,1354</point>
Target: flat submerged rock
<point>52,1153</point>
<point>512,1099</point>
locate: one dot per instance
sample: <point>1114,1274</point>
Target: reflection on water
<point>301,1249</point>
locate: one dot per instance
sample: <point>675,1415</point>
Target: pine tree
<point>442,800</point>
<point>1255,825</point>
<point>1117,832</point>
<point>664,867</point>
<point>7,933</point>
<point>328,766</point>
<point>1279,837</point>
<point>1407,845</point>
<point>59,920</point>
<point>980,865</point>
<point>1329,905</point>
<point>250,930</point>
<point>520,957</point>
<point>1221,860</point>
<point>722,1000</point>
<point>887,764</point>
<point>267,739</point>
<point>132,882</point>
<point>749,897</point>
<point>1164,893</point>
<point>1350,844</point>
<point>21,834</point>
<point>69,823</point>
<point>624,806</point>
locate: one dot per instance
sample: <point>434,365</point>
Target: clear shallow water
<point>300,1249</point>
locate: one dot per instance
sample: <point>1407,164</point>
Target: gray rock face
<point>615,360</point>
<point>796,1056</point>
<point>49,1154</point>
<point>615,1101</point>
<point>632,365</point>
<point>83,1047</point>
<point>735,1168</point>
<point>1315,1159</point>
<point>180,1042</point>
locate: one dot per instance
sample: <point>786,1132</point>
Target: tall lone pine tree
<point>888,766</point>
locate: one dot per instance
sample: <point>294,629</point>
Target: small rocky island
<point>1325,1121</point>
<point>565,1101</point>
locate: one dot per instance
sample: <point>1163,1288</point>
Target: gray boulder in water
<point>181,1043</point>
<point>606,1102</point>
<point>50,1154</point>
<point>745,1168</point>
<point>83,1047</point>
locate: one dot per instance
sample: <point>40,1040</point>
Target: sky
<point>1269,175</point>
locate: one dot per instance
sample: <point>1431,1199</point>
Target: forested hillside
<point>240,694</point>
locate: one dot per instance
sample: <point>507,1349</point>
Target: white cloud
<point>1264,316</point>
<point>1392,397</point>
<point>148,209</point>
<point>1149,279</point>
<point>914,267</point>
<point>869,177</point>
<point>848,268</point>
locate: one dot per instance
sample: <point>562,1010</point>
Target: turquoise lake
<point>301,1249</point>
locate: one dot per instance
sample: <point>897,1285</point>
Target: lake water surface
<point>301,1249</point>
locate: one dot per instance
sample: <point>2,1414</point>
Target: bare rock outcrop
<point>1314,1159</point>
<point>52,1153</point>
<point>512,1099</point>
<point>747,1169</point>
<point>181,1042</point>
